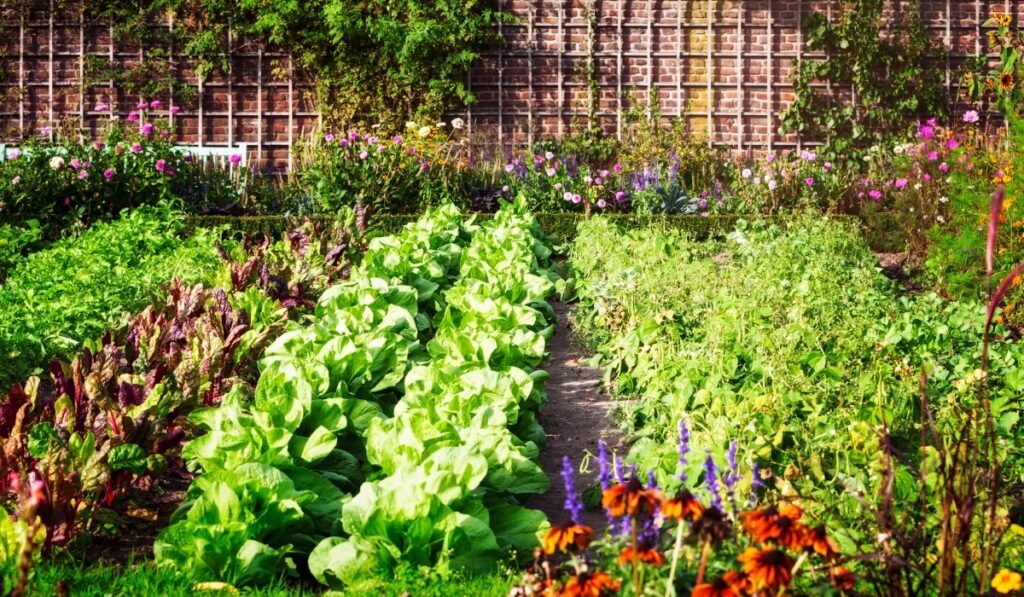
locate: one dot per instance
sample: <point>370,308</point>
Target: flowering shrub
<point>552,184</point>
<point>651,532</point>
<point>402,173</point>
<point>64,180</point>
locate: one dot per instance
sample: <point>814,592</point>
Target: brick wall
<point>723,66</point>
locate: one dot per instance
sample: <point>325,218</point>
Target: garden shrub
<point>74,290</point>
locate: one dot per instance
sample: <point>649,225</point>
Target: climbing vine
<point>879,61</point>
<point>371,60</point>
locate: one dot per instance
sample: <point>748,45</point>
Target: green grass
<point>145,579</point>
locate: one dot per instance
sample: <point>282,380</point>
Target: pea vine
<point>879,63</point>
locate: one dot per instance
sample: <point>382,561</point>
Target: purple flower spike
<point>711,480</point>
<point>604,474</point>
<point>684,448</point>
<point>652,481</point>
<point>619,473</point>
<point>573,503</point>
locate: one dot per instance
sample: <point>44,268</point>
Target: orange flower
<point>843,579</point>
<point>818,541</point>
<point>767,568</point>
<point>647,556</point>
<point>562,537</point>
<point>1006,581</point>
<point>738,581</point>
<point>631,498</point>
<point>718,588</point>
<point>682,507</point>
<point>781,525</point>
<point>1006,81</point>
<point>597,584</point>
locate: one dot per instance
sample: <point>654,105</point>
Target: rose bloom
<point>160,165</point>
<point>136,148</point>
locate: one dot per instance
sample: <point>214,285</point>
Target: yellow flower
<point>1017,280</point>
<point>1006,581</point>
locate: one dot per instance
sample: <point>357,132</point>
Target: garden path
<point>578,413</point>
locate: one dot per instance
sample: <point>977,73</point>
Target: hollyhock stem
<point>676,552</point>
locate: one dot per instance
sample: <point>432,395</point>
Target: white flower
<point>943,199</point>
<point>940,219</point>
<point>917,187</point>
<point>15,181</point>
<point>899,149</point>
<point>441,125</point>
<point>458,124</point>
<point>874,149</point>
<point>410,125</point>
<point>424,132</point>
<point>56,162</point>
<point>746,173</point>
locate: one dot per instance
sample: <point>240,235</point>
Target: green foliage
<point>375,61</point>
<point>887,64</point>
<point>77,288</point>
<point>15,241</point>
<point>1001,84</point>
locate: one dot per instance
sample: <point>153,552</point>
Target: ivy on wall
<point>881,51</point>
<point>371,60</point>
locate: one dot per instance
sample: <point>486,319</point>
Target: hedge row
<point>562,225</point>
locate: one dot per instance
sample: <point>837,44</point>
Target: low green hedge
<point>562,225</point>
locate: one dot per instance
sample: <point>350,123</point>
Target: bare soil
<point>577,415</point>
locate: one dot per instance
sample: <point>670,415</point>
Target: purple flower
<point>329,137</point>
<point>160,165</point>
<point>683,448</point>
<point>235,158</point>
<point>133,117</point>
<point>136,148</point>
<point>652,480</point>
<point>46,131</point>
<point>971,116</point>
<point>875,194</point>
<point>810,182</point>
<point>619,473</point>
<point>711,481</point>
<point>770,158</point>
<point>620,196</point>
<point>109,174</point>
<point>826,166</point>
<point>573,503</point>
<point>147,129</point>
<point>901,183</point>
<point>188,157</point>
<point>155,104</point>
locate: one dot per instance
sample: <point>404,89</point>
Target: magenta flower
<point>147,129</point>
<point>175,109</point>
<point>598,181</point>
<point>109,174</point>
<point>810,182</point>
<point>617,167</point>
<point>75,163</point>
<point>155,104</point>
<point>142,106</point>
<point>136,148</point>
<point>771,158</point>
<point>235,158</point>
<point>160,165</point>
<point>926,177</point>
<point>602,203</point>
<point>398,139</point>
<point>424,165</point>
<point>101,107</point>
<point>620,196</point>
<point>971,116</point>
<point>875,194</point>
<point>943,167</point>
<point>164,134</point>
<point>576,198</point>
<point>170,172</point>
<point>343,142</point>
<point>133,117</point>
<point>82,174</point>
<point>933,155</point>
<point>353,135</point>
<point>901,183</point>
<point>329,137</point>
<point>952,144</point>
<point>188,157</point>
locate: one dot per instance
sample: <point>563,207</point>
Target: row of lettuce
<point>74,448</point>
<point>790,341</point>
<point>397,427</point>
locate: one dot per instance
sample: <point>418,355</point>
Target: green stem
<point>676,552</point>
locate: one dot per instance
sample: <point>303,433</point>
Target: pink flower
<point>952,144</point>
<point>147,129</point>
<point>101,107</point>
<point>810,182</point>
<point>926,177</point>
<point>353,135</point>
<point>142,106</point>
<point>98,145</point>
<point>175,109</point>
<point>155,104</point>
<point>372,140</point>
<point>875,194</point>
<point>604,173</point>
<point>576,198</point>
<point>549,156</point>
<point>424,165</point>
<point>827,166</point>
<point>329,137</point>
<point>235,158</point>
<point>925,132</point>
<point>136,148</point>
<point>15,181</point>
<point>109,174</point>
<point>14,154</point>
<point>771,158</point>
<point>343,142</point>
<point>363,155</point>
<point>933,155</point>
<point>170,172</point>
<point>133,117</point>
<point>558,186</point>
<point>82,174</point>
<point>772,184</point>
<point>509,167</point>
<point>398,140</point>
<point>971,116</point>
<point>550,171</point>
<point>620,196</point>
<point>164,134</point>
<point>75,163</point>
<point>160,165</point>
<point>943,167</point>
<point>901,183</point>
<point>567,196</point>
<point>617,167</point>
<point>598,181</point>
<point>602,203</point>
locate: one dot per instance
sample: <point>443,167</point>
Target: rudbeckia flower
<point>682,507</point>
<point>631,498</point>
<point>818,541</point>
<point>562,537</point>
<point>767,568</point>
<point>597,584</point>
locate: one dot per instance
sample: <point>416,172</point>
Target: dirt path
<point>578,413</point>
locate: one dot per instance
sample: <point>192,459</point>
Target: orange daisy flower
<point>563,537</point>
<point>646,556</point>
<point>718,588</point>
<point>1006,81</point>
<point>781,525</point>
<point>738,581</point>
<point>843,579</point>
<point>712,525</point>
<point>631,498</point>
<point>682,507</point>
<point>767,568</point>
<point>596,584</point>
<point>818,541</point>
